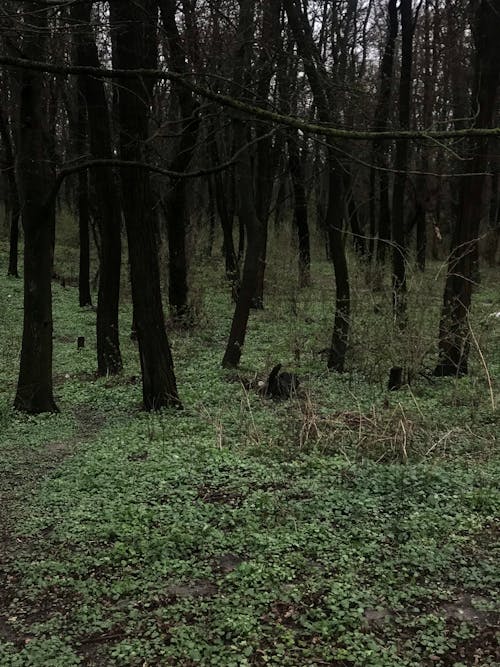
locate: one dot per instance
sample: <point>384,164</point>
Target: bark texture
<point>136,48</point>
<point>35,180</point>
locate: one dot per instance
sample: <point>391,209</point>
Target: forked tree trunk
<point>35,179</point>
<point>136,48</point>
<point>454,329</point>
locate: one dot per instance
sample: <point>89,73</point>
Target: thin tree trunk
<point>84,296</point>
<point>338,347</point>
<point>380,122</point>
<point>176,205</point>
<point>225,214</point>
<point>300,213</point>
<point>107,211</point>
<point>136,48</point>
<point>266,154</point>
<point>399,252</point>
<point>246,203</point>
<point>35,179</point>
<point>12,196</point>
<point>358,239</point>
<point>324,101</point>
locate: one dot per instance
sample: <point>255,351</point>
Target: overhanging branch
<point>248,109</point>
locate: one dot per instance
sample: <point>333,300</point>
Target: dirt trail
<point>18,485</point>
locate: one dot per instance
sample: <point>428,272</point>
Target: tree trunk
<point>35,180</point>
<point>84,296</point>
<point>324,101</point>
<point>300,213</point>
<point>107,211</point>
<point>380,122</point>
<point>399,250</point>
<point>225,214</point>
<point>12,196</point>
<point>176,205</point>
<point>136,48</point>
<point>358,239</point>
<point>246,203</point>
<point>338,347</point>
<point>454,329</point>
<point>266,159</point>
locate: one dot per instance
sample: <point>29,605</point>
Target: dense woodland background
<point>192,193</point>
<point>247,119</point>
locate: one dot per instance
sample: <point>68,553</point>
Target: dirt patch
<point>465,609</point>
<point>216,495</point>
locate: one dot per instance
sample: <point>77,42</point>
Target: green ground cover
<point>347,526</point>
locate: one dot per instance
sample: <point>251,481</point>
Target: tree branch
<point>251,110</point>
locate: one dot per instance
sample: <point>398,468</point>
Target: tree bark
<point>454,329</point>
<point>12,196</point>
<point>399,250</point>
<point>380,122</point>
<point>300,213</point>
<point>176,204</point>
<point>246,203</point>
<point>107,212</point>
<point>136,47</point>
<point>266,159</point>
<point>35,179</point>
<point>323,98</point>
<point>225,212</point>
<point>84,296</point>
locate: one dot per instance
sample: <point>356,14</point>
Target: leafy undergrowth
<point>347,526</point>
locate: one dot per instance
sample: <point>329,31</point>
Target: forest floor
<point>346,526</point>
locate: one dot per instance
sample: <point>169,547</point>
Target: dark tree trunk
<point>334,214</point>
<point>176,205</point>
<point>35,180</point>
<point>107,211</point>
<point>136,48</point>
<point>84,296</point>
<point>12,196</point>
<point>399,250</point>
<point>454,330</point>
<point>493,219</point>
<point>211,217</point>
<point>358,239</point>
<point>427,112</point>
<point>225,214</point>
<point>246,204</point>
<point>381,117</point>
<point>300,214</point>
<point>324,102</point>
<point>372,214</point>
<point>266,155</point>
<point>249,219</point>
<point>421,224</point>
<point>14,242</point>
